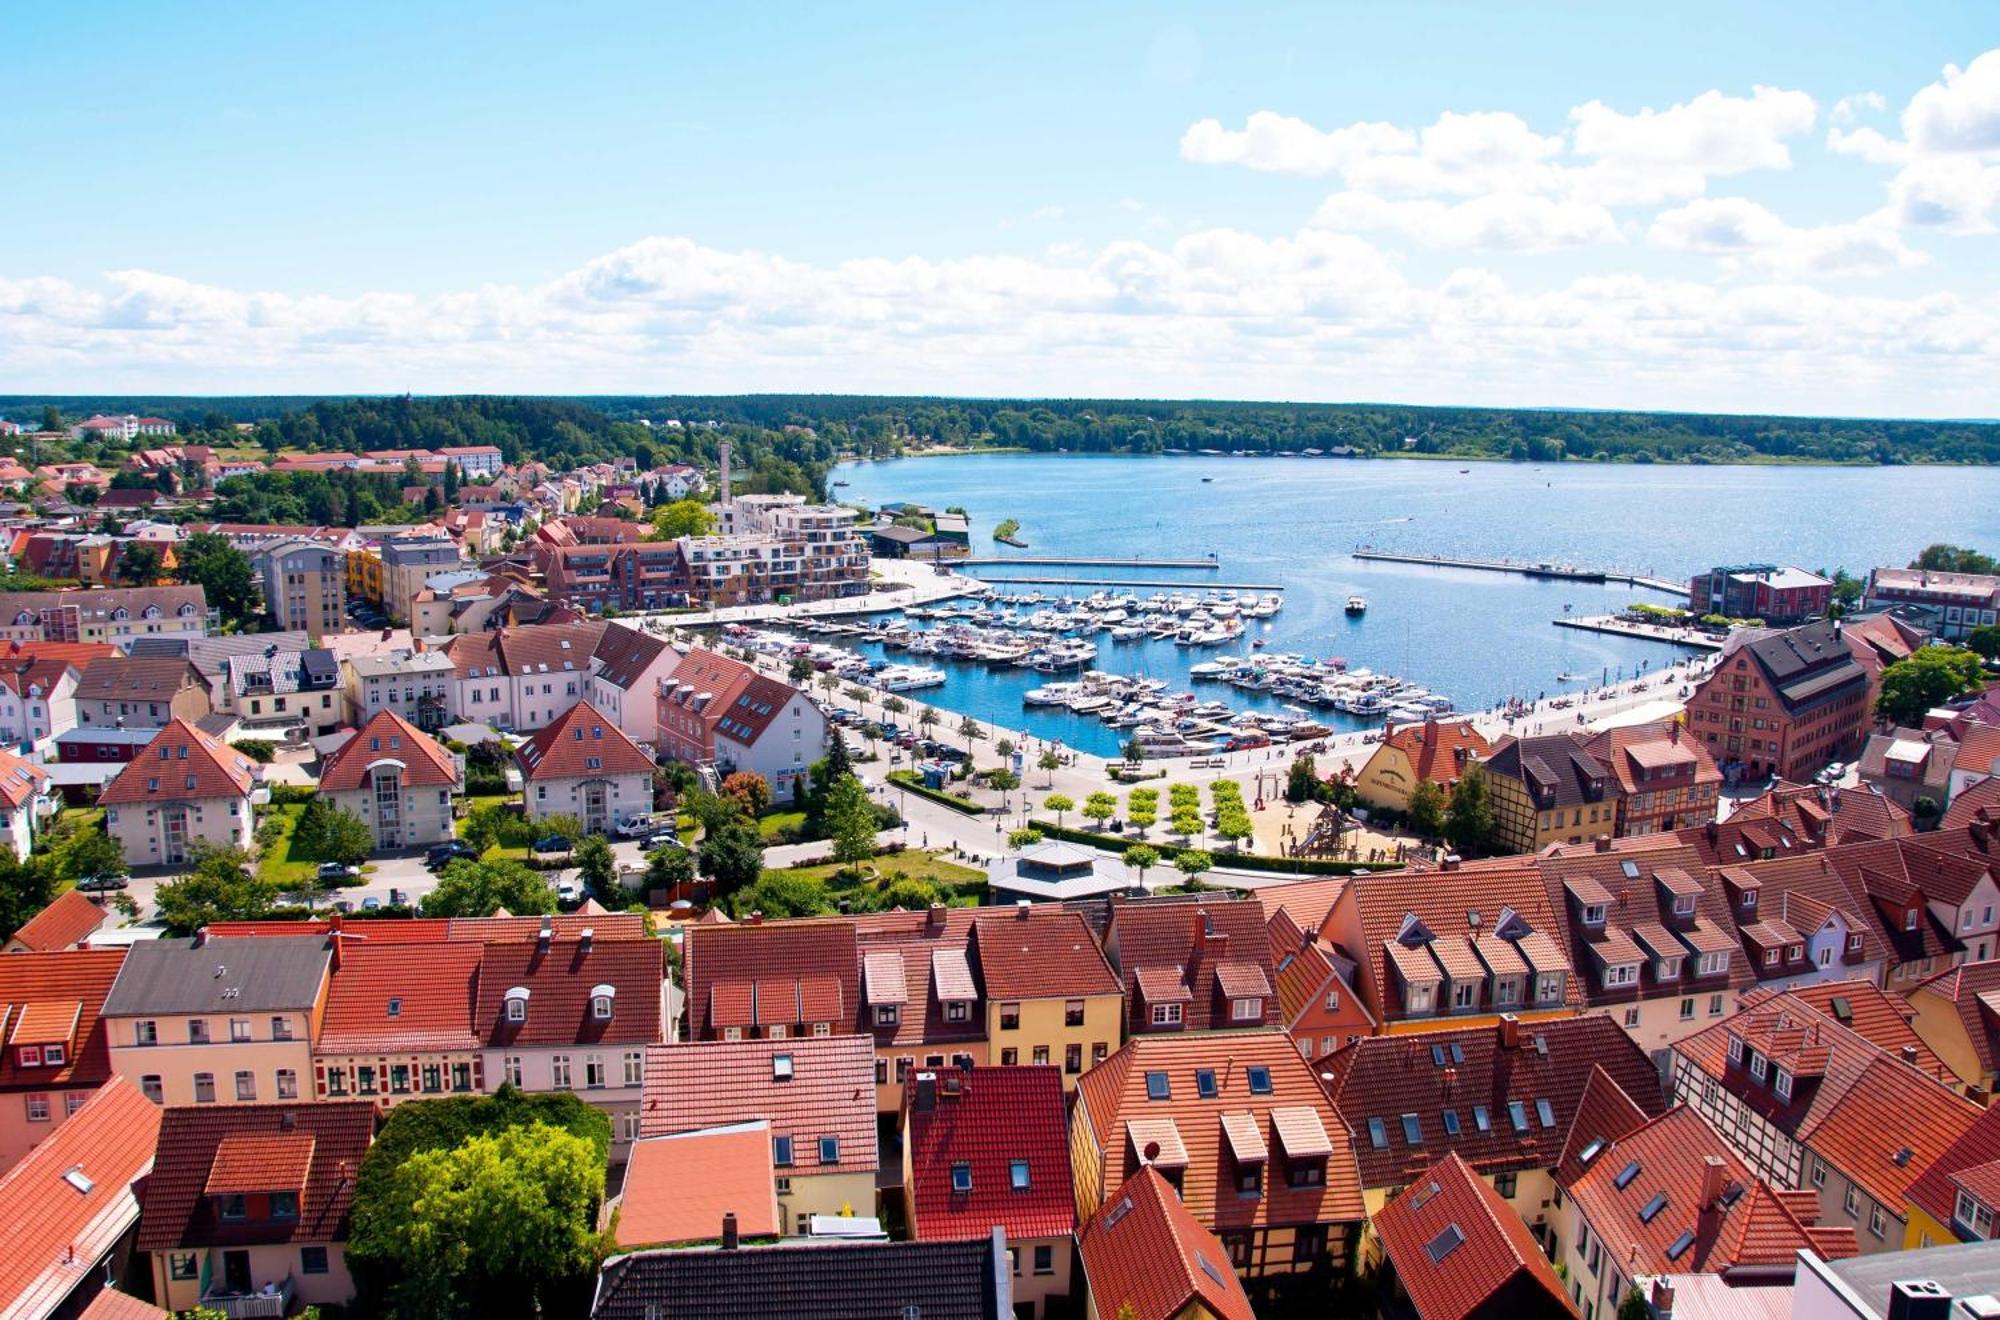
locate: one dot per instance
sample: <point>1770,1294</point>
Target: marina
<point>1060,561</point>
<point>1131,582</point>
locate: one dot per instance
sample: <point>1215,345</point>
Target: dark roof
<point>176,1211</point>
<point>248,975</point>
<point>827,1281</point>
<point>135,678</point>
<point>1557,769</point>
<point>1807,666</point>
<point>560,980</point>
<point>1212,951</point>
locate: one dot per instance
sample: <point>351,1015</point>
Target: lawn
<point>275,863</point>
<point>769,826</point>
<point>498,852</point>
<point>960,886</point>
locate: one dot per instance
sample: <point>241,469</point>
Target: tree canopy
<point>1927,677</point>
<point>479,889</point>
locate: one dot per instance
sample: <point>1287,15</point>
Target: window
<point>1413,1131</point>
<point>1504,1183</point>
<point>1480,1119</point>
<point>1246,1010</point>
<point>1877,1221</point>
<point>1653,1207</point>
<point>961,1179</point>
<point>1259,1078</point>
<point>1546,1113</point>
<point>635,1067</point>
<point>1970,1215</point>
<point>150,1087</point>
<point>204,1088</point>
<point>399,1078</point>
<point>1333,1001</point>
<point>1715,1005</point>
<point>1041,1055</point>
<point>1378,1136</point>
<point>781,1151</point>
<point>887,1015</point>
<point>145,1033</point>
<point>1158,1087</point>
<point>197,1031</point>
<point>829,1150</point>
<point>957,1010</point>
<point>559,1077</point>
<point>1166,1015</point>
<point>1631,1018</point>
<point>1784,1084</point>
<point>38,1109</point>
<point>517,1010</point>
<point>1309,1244</point>
<point>232,1206</point>
<point>312,1260</point>
<point>1045,1259</point>
<point>593,1072</point>
<point>184,1265</point>
<point>284,1205</point>
<point>1073,1059</point>
<point>1851,1202</point>
<point>1735,1050</point>
<point>1818,1172</point>
<point>1010,1017</point>
<point>1517,1114</point>
<point>31,1056</point>
<point>1017,1175</point>
<point>288,1084</point>
<point>239,1029</point>
<point>1451,1128</point>
<point>1204,1083</point>
<point>1073,1013</point>
<point>281,1028</point>
<point>1760,1067</point>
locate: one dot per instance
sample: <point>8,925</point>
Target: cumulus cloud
<point>1849,108</point>
<point>1752,238</point>
<point>1960,112</point>
<point>1518,222</point>
<point>1948,158</point>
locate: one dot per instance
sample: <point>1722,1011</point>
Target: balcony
<point>248,1306</point>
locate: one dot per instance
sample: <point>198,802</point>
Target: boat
<point>1357,604</point>
<point>1206,480</point>
<point>905,678</point>
<point>840,483</point>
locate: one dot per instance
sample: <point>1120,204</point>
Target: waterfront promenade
<point>1694,638</point>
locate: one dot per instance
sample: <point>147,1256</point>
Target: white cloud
<point>1713,134</point>
<point>1958,194</point>
<point>1519,222</point>
<point>1960,112</point>
<point>1867,143</point>
<point>1948,159</point>
<point>1753,239</point>
<point>1281,144</point>
<point>1849,108</point>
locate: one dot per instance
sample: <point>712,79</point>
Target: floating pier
<point>1649,632</point>
<point>1527,568</point>
<point>1054,561</point>
<point>1130,582</point>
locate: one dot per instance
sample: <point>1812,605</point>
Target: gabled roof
<point>1143,1249</point>
<point>20,781</point>
<point>388,739</point>
<point>626,654</point>
<point>827,1091</point>
<point>582,743</point>
<point>431,993</point>
<point>679,1186</point>
<point>986,1122</point>
<point>1888,1127</point>
<point>1304,968</point>
<point>1040,952</point>
<point>136,678</point>
<point>1882,1019</point>
<point>1434,747</point>
<point>1444,1078</point>
<point>810,1281</point>
<point>1659,749</point>
<point>802,964</point>
<point>1980,802</point>
<point>75,980</point>
<point>248,975</point>
<point>1968,986</point>
<point>1457,1247</point>
<point>1604,1114</point>
<point>733,699</point>
<point>561,979</point>
<point>69,1200</point>
<point>1307,902</point>
<point>181,764</point>
<point>114,1305</point>
<point>1807,666</point>
<point>1557,768</point>
<point>63,924</point>
<point>1639,889</point>
<point>177,1210</point>
<point>1976,1150</point>
<point>1217,949</point>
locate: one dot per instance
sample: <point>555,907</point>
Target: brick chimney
<point>1206,938</point>
<point>1022,909</point>
<point>1510,1032</point>
<point>729,1236</point>
<point>1714,1177</point>
<point>1450,862</point>
<point>1663,1299</point>
<point>1602,843</point>
<point>1910,1055</point>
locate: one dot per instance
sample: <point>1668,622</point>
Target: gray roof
<point>400,662</point>
<point>247,974</point>
<point>210,653</point>
<point>1966,1270</point>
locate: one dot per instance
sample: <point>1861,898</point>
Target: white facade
<point>408,683</point>
<point>19,825</point>
<point>399,817</point>
<point>636,707</point>
<point>1976,921</point>
<point>158,833</point>
<point>33,715</point>
<point>602,802</point>
<point>473,460</point>
<point>521,701</point>
<point>785,751</point>
<point>542,1069</point>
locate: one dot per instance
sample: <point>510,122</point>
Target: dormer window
<point>1760,1067</point>
<point>1593,914</point>
<point>1749,900</point>
<point>1972,1217</point>
<point>888,1015</point>
<point>1247,1010</point>
<point>1794,952</point>
<point>30,1056</point>
<point>517,1004</point>
<point>1419,996</point>
<point>957,1010</point>
<point>1619,974</point>
<point>600,1007</point>
<point>1854,942</point>
<point>232,1206</point>
<point>1683,905</point>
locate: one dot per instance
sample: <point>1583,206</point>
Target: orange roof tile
<point>383,997</point>
<point>181,764</point>
<point>829,1091</point>
<point>1040,952</point>
<point>63,924</point>
<point>1456,1245</point>
<point>581,735</point>
<point>260,1162</point>
<point>1978,1147</point>
<point>114,1305</point>
<point>1007,1129</point>
<point>1142,1249</point>
<point>388,739</point>
<point>75,976</point>
<point>680,1185</point>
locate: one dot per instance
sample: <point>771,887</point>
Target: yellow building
<point>364,574</point>
<point>1953,1020</point>
<point>1956,1199</point>
<point>1549,790</point>
<point>1430,752</point>
<point>1051,997</point>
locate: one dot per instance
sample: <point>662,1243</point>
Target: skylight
<point>1480,1120</point>
<point>1017,1175</point>
<point>1681,1244</point>
<point>1210,1270</point>
<point>1653,1207</point>
<point>1451,1122</point>
<point>1204,1083</point>
<point>1457,1052</point>
<point>1445,1243</point>
<point>80,1180</point>
<point>1545,1112</point>
<point>1259,1078</point>
<point>1592,1151</point>
<point>1626,1175</point>
<point>1413,1131</point>
<point>1378,1136</point>
<point>1437,1056</point>
<point>1158,1087</point>
<point>961,1179</point>
<point>1517,1114</point>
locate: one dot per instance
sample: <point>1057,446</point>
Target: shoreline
<point>1774,460</point>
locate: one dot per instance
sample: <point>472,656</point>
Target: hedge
<point>1223,860</point>
<point>908,780</point>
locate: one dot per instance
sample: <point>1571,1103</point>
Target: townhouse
<point>116,615</point>
<point>1315,987</point>
<point>418,685</point>
<point>627,669</point>
<point>919,999</point>
<point>719,712</point>
<point>1453,1250</point>
<point>688,1188</point>
<point>1665,781</point>
<point>216,1020</point>
<point>1952,603</point>
<point>1777,595</point>
<point>1549,789</point>
<point>824,1281</point>
<point>282,690</point>
<point>1143,1256</point>
<point>56,1044</point>
<point>252,1201</point>
<point>1433,752</point>
<point>1957,1013</point>
<point>398,780</point>
<point>1957,1199</point>
<point>37,692</point>
<point>1241,1129</point>
<point>987,1148</point>
<point>399,1024</point>
<point>584,765</point>
<point>1051,998</point>
<point>183,786</point>
<point>1781,703</point>
<point>771,980</point>
<point>521,678</point>
<point>813,1092</point>
<point>140,692</point>
<point>1192,966</point>
<point>573,1014</point>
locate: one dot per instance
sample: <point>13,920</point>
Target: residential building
<point>399,1024</point>
<point>1433,752</point>
<point>1549,789</point>
<point>253,1200</point>
<point>305,586</point>
<point>218,1020</point>
<point>986,1148</point>
<point>563,1014</point>
<point>105,614</point>
<point>1244,1133</point>
<point>627,668</point>
<point>397,779</point>
<point>1315,985</point>
<point>1905,765</point>
<point>1760,591</point>
<point>1145,1257</point>
<point>1051,998</point>
<point>68,1210</point>
<point>1957,1013</point>
<point>407,562</point>
<point>919,999</point>
<point>740,570</point>
<point>182,786</point>
<point>822,539</point>
<point>1504,1097</point>
<point>681,1189</point>
<point>1953,604</point>
<point>140,692</point>
<point>66,923</point>
<point>1903,1286</point>
<point>26,800</point>
<point>128,427</point>
<point>474,460</point>
<point>285,693</point>
<point>584,765</point>
<point>1781,703</point>
<point>57,1052</point>
<point>1812,1105</point>
<point>1670,1196</point>
<point>808,1281</point>
<point>1666,782</point>
<point>418,685</point>
<point>1957,1199</point>
<point>719,712</point>
<point>37,693</point>
<point>651,575</point>
<point>1192,966</point>
<point>813,1091</point>
<point>1453,1250</point>
<point>522,678</point>
<point>772,980</point>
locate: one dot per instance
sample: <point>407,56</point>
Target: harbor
<point>1526,568</point>
<point>1131,582</point>
<point>1611,624</point>
<point>1100,561</point>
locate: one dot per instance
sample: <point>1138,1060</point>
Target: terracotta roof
<point>626,654</point>
<point>388,739</point>
<point>177,1213</point>
<point>20,781</point>
<point>733,699</point>
<point>1115,1094</point>
<point>1001,1132</point>
<point>114,1305</point>
<point>57,1227</point>
<point>828,1091</point>
<point>24,676</point>
<point>1883,1019</point>
<point>181,764</point>
<point>136,678</point>
<point>1304,969</point>
<point>79,977</point>
<point>1040,952</point>
<point>260,1162</point>
<point>1142,1249</point>
<point>1639,888</point>
<point>810,1281</point>
<point>1888,1127</point>
<point>1965,986</point>
<point>1557,768</point>
<point>1979,802</point>
<point>1433,748</point>
<point>1634,751</point>
<point>581,743</point>
<point>561,979</point>
<point>63,924</point>
<point>1469,1079</point>
<point>1978,1147</point>
<point>1604,1114</point>
<point>726,967</point>
<point>1218,949</point>
<point>679,1186</point>
<point>431,995</point>
<point>1306,902</point>
<point>1457,1247</point>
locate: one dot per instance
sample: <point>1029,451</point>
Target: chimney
<point>756,918</point>
<point>1982,835</point>
<point>1673,735</point>
<point>1714,1177</point>
<point>1918,1299</point>
<point>934,919</point>
<point>729,1238</point>
<point>201,937</point>
<point>1910,1054</point>
<point>926,1091</point>
<point>583,938</point>
<point>1711,829</point>
<point>546,933</point>
<point>1663,1299</point>
<point>1021,908</point>
<point>1510,1031</point>
<point>1450,862</point>
<point>1602,843</point>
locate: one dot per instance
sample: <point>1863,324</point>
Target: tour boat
<point>1357,604</point>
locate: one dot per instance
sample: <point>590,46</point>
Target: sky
<point>1731,207</point>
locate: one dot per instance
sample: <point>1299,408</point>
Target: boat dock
<point>1651,632</point>
<point>1059,561</point>
<point>1543,569</point>
<point>1130,582</point>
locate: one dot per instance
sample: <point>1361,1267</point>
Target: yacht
<point>1357,604</point>
<point>907,678</point>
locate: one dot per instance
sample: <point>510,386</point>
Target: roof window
<point>1626,1175</point>
<point>1450,1240</point>
<point>1653,1207</point>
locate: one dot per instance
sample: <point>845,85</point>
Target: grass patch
<point>930,867</point>
<point>780,822</point>
<point>276,863</point>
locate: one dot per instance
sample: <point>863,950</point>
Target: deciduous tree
<point>1927,677</point>
<point>479,889</point>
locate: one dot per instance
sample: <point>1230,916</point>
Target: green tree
<point>1302,780</point>
<point>1141,858</point>
<point>894,706</point>
<point>223,572</point>
<point>26,887</point>
<point>1984,641</point>
<point>1426,811</point>
<point>1100,807</point>
<point>1192,862</point>
<point>52,418</point>
<point>220,887</point>
<point>1632,1306</point>
<point>343,836</point>
<point>850,821</point>
<point>1468,822</point>
<point>138,563</point>
<point>784,894</point>
<point>564,825</point>
<point>927,720</point>
<point>1927,677</point>
<point>1048,761</point>
<point>596,864</point>
<point>732,856</point>
<point>909,895</point>
<point>682,518</point>
<point>668,867</point>
<point>1004,748</point>
<point>479,889</point>
<point>968,729</point>
<point>1023,838</point>
<point>1002,781</point>
<point>82,854</point>
<point>1059,803</point>
<point>800,670</point>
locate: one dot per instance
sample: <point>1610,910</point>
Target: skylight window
<point>1259,1079</point>
<point>1653,1207</point>
<point>80,1180</point>
<point>1437,1056</point>
<point>1444,1243</point>
<point>961,1179</point>
<point>1592,1151</point>
<point>1451,1122</point>
<point>395,1007</point>
<point>1378,1136</point>
<point>1457,1052</point>
<point>1681,1244</point>
<point>1517,1114</point>
<point>1413,1131</point>
<point>1480,1119</point>
<point>1626,1175</point>
<point>1546,1113</point>
<point>1204,1083</point>
<point>1158,1087</point>
<point>1017,1175</point>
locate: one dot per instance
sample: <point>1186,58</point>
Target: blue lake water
<point>1476,637</point>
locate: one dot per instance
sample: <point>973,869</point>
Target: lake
<point>1476,637</point>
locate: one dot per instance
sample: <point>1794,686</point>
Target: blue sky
<point>1451,203</point>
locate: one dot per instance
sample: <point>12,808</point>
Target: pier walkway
<point>1047,561</point>
<point>1130,582</point>
<point>1652,632</point>
<point>1542,569</point>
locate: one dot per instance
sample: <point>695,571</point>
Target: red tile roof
<point>1604,1114</point>
<point>56,1231</point>
<point>1966,987</point>
<point>260,1162</point>
<point>20,781</point>
<point>113,1305</point>
<point>561,980</point>
<point>1114,1096</point>
<point>63,924</point>
<point>1306,902</point>
<point>1038,951</point>
<point>830,1093</point>
<point>1143,1250</point>
<point>80,977</point>
<point>388,739</point>
<point>577,738</point>
<point>432,994</point>
<point>177,1212</point>
<point>1979,802</point>
<point>1890,1109</point>
<point>181,764</point>
<point>1433,748</point>
<point>679,1186</point>
<point>1865,1008</point>
<point>1978,1147</point>
<point>727,967</point>
<point>1218,949</point>
<point>741,703</point>
<point>1457,1247</point>
<point>986,1120</point>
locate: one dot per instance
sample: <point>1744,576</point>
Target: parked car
<point>567,894</point>
<point>443,854</point>
<point>638,827</point>
<point>336,871</point>
<point>104,884</point>
<point>370,903</point>
<point>664,839</point>
<point>554,843</point>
